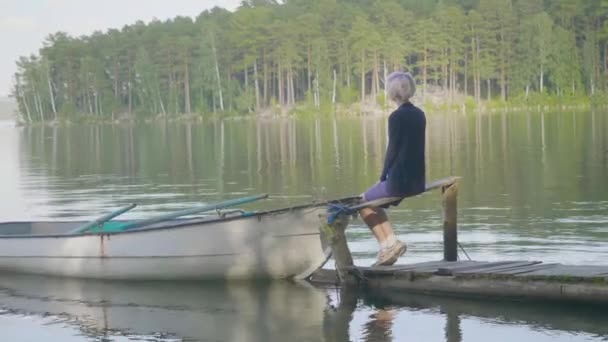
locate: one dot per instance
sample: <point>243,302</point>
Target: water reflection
<point>470,319</point>
<point>200,311</point>
<point>284,311</point>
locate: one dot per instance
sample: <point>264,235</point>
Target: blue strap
<point>336,210</point>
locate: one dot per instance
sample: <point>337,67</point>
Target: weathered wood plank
<point>436,184</point>
<point>449,269</point>
<point>405,266</point>
<point>496,268</point>
<point>571,271</point>
<point>430,266</point>
<point>484,268</point>
<point>445,265</point>
<point>526,269</point>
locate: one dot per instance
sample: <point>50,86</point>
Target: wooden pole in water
<point>334,234</point>
<point>453,330</point>
<point>337,320</point>
<point>449,194</point>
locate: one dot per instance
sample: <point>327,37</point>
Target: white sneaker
<point>390,255</point>
<point>383,255</point>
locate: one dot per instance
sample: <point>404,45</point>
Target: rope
<point>465,252</point>
<point>336,210</point>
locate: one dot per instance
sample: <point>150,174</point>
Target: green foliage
<point>347,95</point>
<point>316,52</point>
<point>470,104</point>
<point>599,99</point>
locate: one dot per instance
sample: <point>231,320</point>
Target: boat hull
<point>280,244</point>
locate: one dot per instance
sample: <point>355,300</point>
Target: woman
<point>404,170</point>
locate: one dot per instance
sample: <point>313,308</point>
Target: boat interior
<point>39,228</point>
<point>42,228</point>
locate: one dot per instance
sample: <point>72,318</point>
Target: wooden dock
<point>514,280</point>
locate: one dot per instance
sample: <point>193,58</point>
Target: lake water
<point>535,186</point>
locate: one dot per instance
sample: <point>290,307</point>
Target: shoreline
<point>353,111</point>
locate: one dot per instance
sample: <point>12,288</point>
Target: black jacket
<point>404,163</point>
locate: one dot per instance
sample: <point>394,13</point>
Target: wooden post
<point>334,234</point>
<point>450,229</point>
<point>337,320</point>
<point>453,331</point>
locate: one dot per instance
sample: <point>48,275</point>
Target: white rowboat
<point>284,243</point>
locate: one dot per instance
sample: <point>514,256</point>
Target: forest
<point>270,56</point>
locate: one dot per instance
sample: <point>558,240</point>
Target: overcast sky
<point>25,23</point>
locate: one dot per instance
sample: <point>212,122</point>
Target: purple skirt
<point>381,190</point>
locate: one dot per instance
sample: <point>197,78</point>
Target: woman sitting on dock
<point>404,170</point>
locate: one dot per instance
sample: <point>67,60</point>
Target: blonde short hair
<point>401,86</point>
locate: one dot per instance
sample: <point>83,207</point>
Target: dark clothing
<point>404,163</point>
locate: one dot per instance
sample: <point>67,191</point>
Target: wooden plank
<point>571,271</point>
<point>443,182</point>
<point>428,267</point>
<point>375,203</point>
<point>479,268</point>
<point>447,181</point>
<point>526,269</point>
<point>382,270</point>
<point>401,266</point>
<point>495,268</point>
<point>515,268</point>
<point>446,265</point>
<point>449,270</point>
<point>441,264</point>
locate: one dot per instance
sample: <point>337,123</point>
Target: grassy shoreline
<point>353,110</point>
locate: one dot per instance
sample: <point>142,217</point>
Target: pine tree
<point>316,53</point>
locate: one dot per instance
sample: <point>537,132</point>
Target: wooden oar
<point>103,219</point>
<point>169,216</point>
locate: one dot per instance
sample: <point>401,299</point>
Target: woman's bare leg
<point>375,218</point>
<point>390,248</point>
<point>385,229</point>
<point>389,233</point>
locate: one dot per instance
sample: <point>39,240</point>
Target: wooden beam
<point>436,184</point>
<point>449,203</point>
<point>443,182</point>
